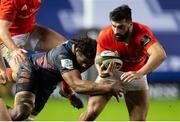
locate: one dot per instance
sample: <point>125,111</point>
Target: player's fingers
<point>125,76</point>
<point>24,51</point>
<point>22,56</point>
<point>131,79</point>
<point>19,60</point>
<point>109,66</point>
<point>112,67</point>
<point>6,77</point>
<point>120,94</point>
<point>3,79</point>
<point>128,78</point>
<point>117,98</point>
<point>9,77</point>
<point>102,67</point>
<point>16,61</point>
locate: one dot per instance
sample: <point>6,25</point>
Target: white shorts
<point>135,85</point>
<point>28,41</point>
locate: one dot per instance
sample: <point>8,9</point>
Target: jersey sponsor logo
<point>145,40</point>
<point>67,63</point>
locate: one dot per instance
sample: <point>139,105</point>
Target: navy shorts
<point>40,81</point>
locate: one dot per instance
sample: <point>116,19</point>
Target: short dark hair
<point>87,46</point>
<point>121,12</point>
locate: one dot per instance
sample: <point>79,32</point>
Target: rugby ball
<point>108,56</point>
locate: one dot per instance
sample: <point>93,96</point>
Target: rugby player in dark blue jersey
<point>39,75</point>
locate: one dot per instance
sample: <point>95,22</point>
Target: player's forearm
<point>5,35</point>
<point>7,40</point>
<point>91,88</point>
<point>153,62</point>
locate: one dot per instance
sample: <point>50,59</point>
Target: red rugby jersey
<point>134,54</point>
<point>21,13</point>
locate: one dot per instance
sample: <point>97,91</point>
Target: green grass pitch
<point>61,110</point>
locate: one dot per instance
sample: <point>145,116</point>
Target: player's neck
<point>126,41</point>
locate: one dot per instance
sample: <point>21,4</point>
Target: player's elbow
<point>162,56</point>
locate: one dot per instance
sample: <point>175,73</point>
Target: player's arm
<point>156,56</point>
<point>17,53</point>
<point>74,80</point>
<point>5,35</point>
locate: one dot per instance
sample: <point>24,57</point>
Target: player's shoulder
<point>106,29</point>
<point>141,27</point>
<point>143,34</point>
<point>63,50</point>
<point>105,32</point>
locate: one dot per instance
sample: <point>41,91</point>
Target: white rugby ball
<point>108,56</point>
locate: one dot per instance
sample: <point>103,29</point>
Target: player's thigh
<point>47,82</point>
<point>26,83</point>
<point>48,38</point>
<point>42,97</point>
<point>137,101</point>
<point>97,103</point>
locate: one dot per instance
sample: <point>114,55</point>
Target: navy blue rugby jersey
<point>60,59</point>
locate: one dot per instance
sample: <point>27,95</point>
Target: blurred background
<point>73,18</point>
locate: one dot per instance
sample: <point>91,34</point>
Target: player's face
<point>84,62</point>
<point>121,29</point>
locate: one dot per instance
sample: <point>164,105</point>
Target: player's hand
<point>18,55</point>
<point>117,90</point>
<point>130,76</point>
<point>4,77</point>
<point>107,72</point>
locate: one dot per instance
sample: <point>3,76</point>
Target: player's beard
<point>120,37</point>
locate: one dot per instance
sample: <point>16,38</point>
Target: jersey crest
<point>145,40</point>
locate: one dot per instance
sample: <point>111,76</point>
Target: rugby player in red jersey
<point>140,52</point>
<point>20,32</point>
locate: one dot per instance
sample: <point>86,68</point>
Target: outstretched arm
<point>74,80</point>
